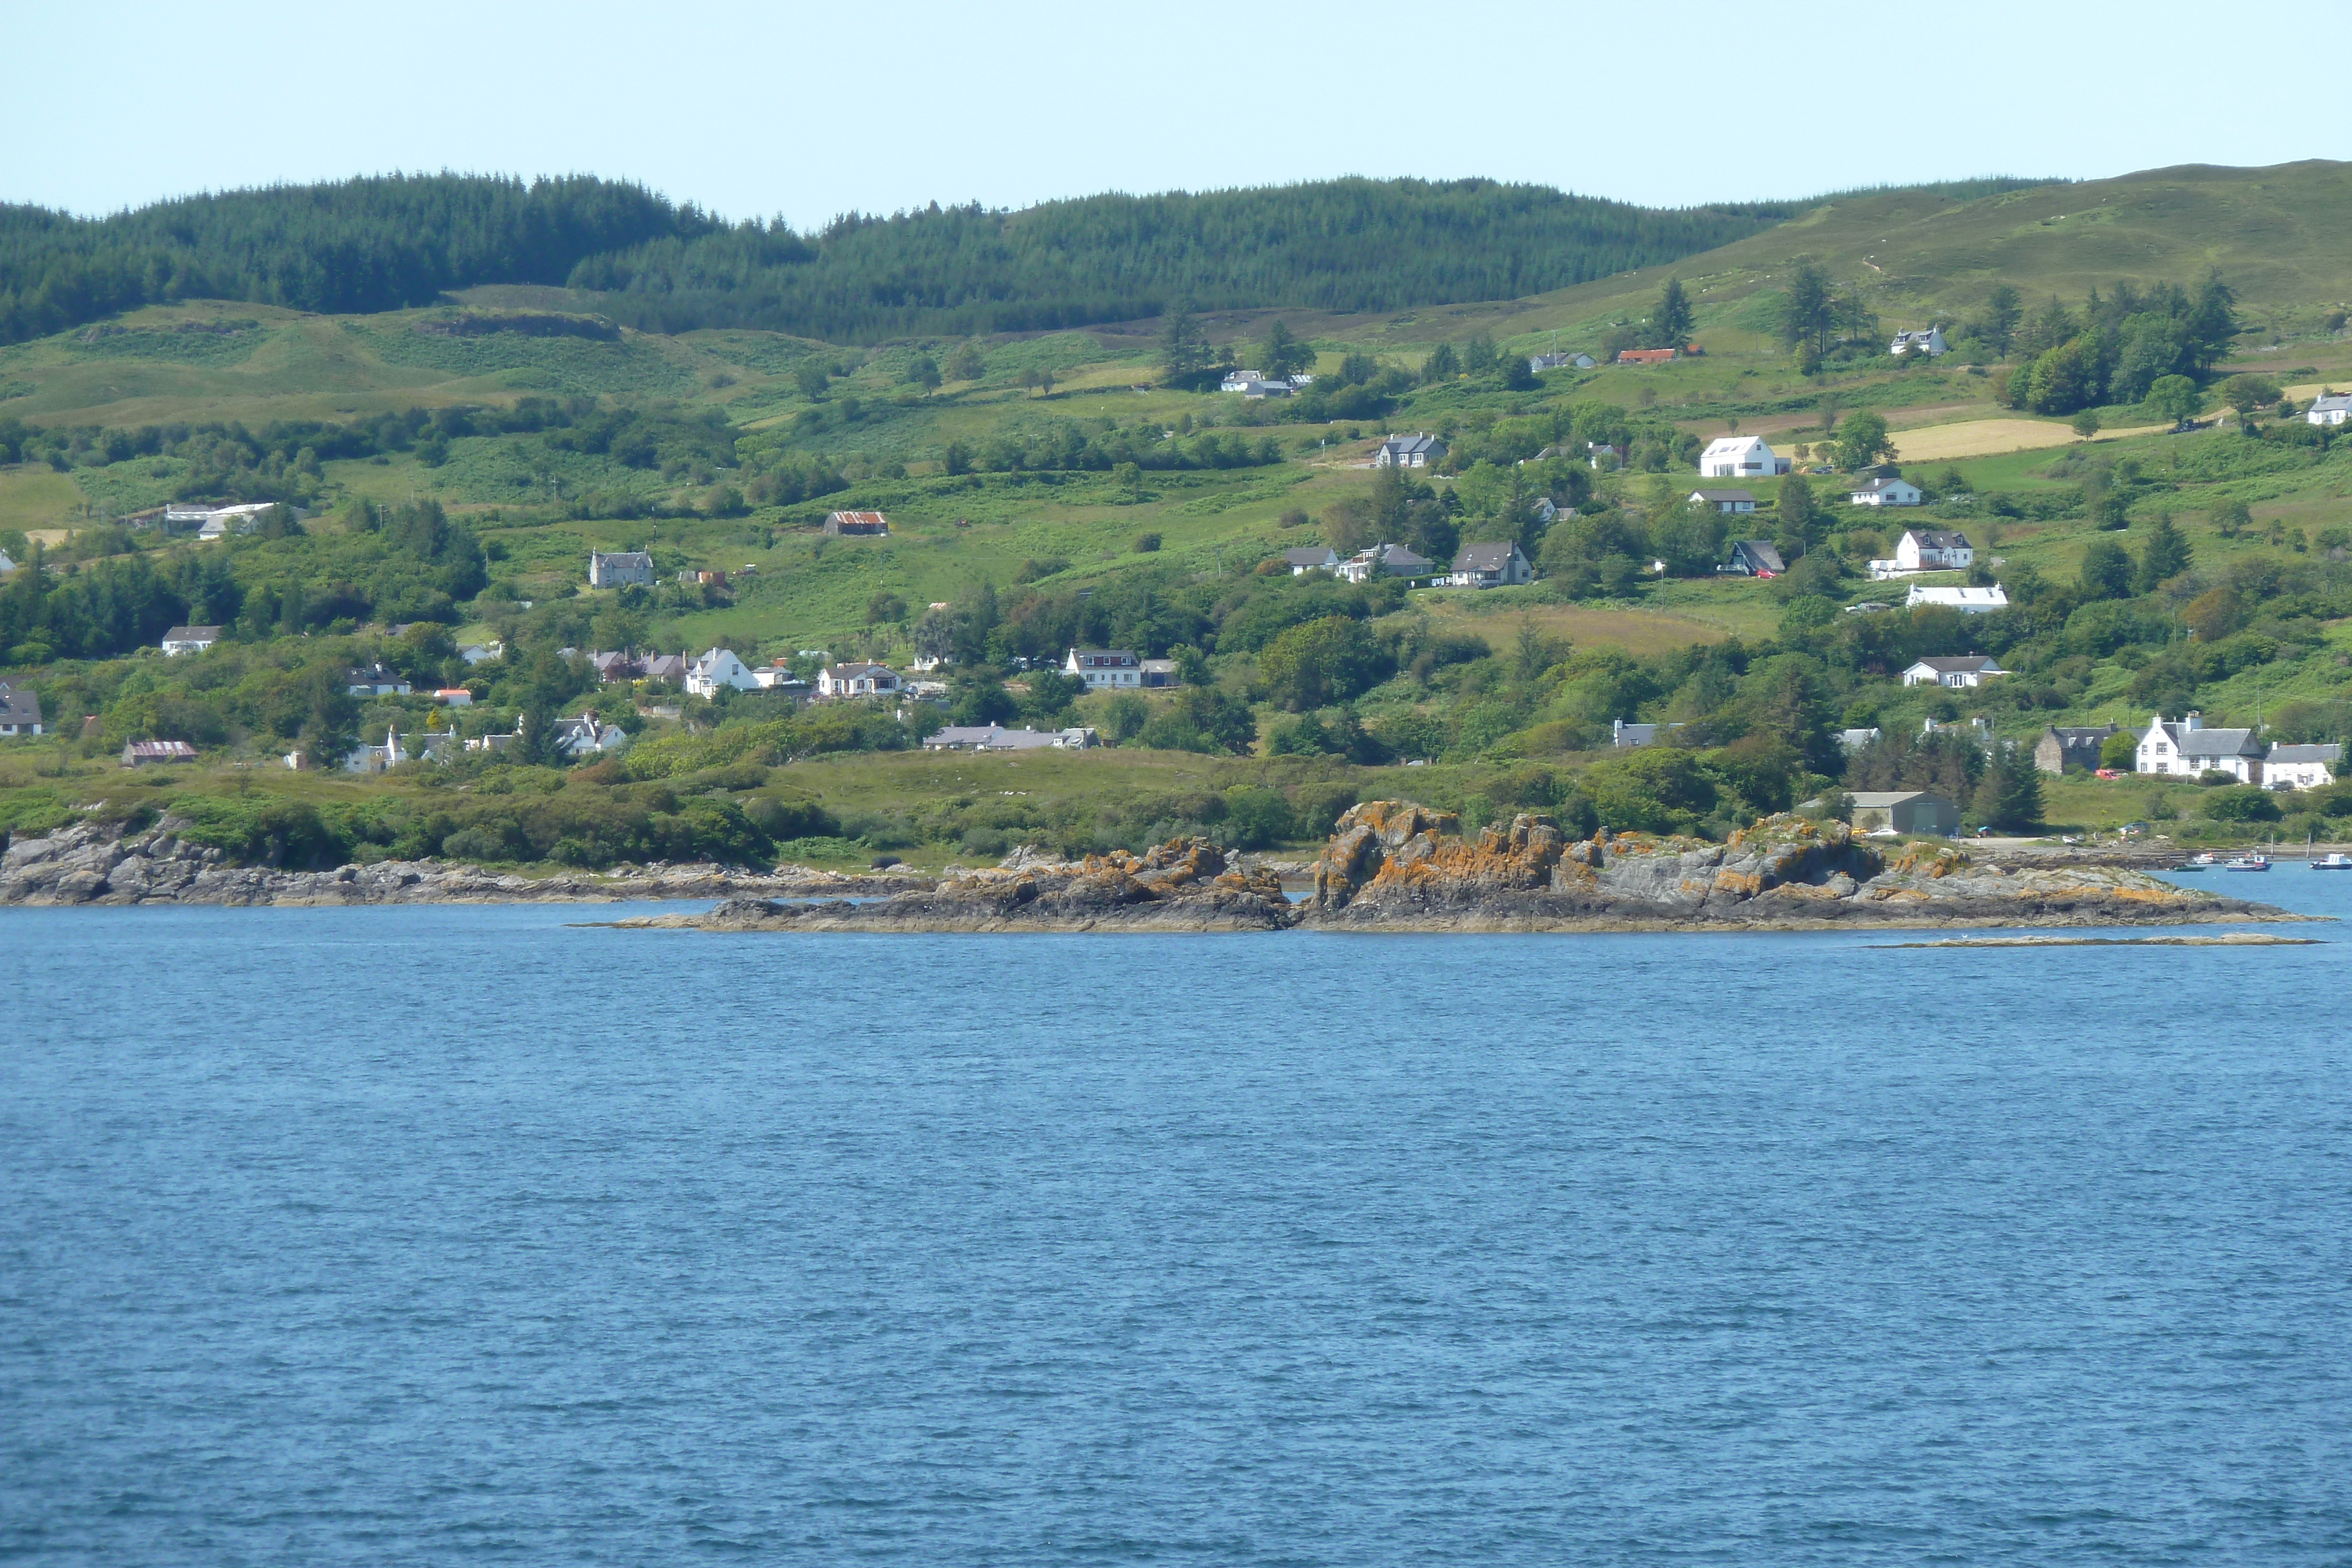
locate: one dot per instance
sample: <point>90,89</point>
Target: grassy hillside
<point>1051,489</point>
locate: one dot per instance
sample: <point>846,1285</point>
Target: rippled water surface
<point>426,1236</point>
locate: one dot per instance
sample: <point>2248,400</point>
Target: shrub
<point>2242,803</point>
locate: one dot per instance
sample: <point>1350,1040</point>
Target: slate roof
<point>19,707</point>
<point>1763,554</point>
<point>1717,497</point>
<point>193,634</point>
<point>1960,666</point>
<point>1484,558</point>
<point>1939,538</point>
<point>1311,556</point>
<point>2330,753</point>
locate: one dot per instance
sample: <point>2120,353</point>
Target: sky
<point>807,112</point>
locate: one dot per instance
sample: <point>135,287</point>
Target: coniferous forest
<point>389,242</point>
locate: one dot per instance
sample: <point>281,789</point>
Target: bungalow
<point>1933,549</point>
<point>1740,457</point>
<point>2071,745</point>
<point>182,640</point>
<point>1756,557</point>
<point>779,677</point>
<point>1104,668</point>
<point>620,569</point>
<point>1647,356</point>
<point>1726,501</point>
<point>480,652</point>
<point>2187,746</point>
<point>375,680</point>
<point>454,696</point>
<point>1966,601</point>
<point>996,737</point>
<point>2329,408</point>
<point>1905,811</point>
<point>1490,566</point>
<point>1236,379</point>
<point>1161,673</point>
<point>1929,342</point>
<point>2302,767</point>
<point>718,667</point>
<point>1409,451</point>
<point>1312,557</point>
<point>835,682</point>
<point>1973,670</point>
<point>1885,491</point>
<point>856,525</point>
<point>244,518</point>
<point>138,753</point>
<point>1384,561</point>
<point>20,712</point>
<point>1599,452</point>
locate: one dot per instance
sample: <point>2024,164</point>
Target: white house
<point>1883,491</point>
<point>1409,451</point>
<point>1728,501</point>
<point>182,640</point>
<point>2329,408</point>
<point>836,681</point>
<point>1934,550</point>
<point>1968,601</point>
<point>718,667</point>
<point>1740,457</point>
<point>1490,566</point>
<point>243,518</point>
<point>2188,748</point>
<point>585,737</point>
<point>2302,767</point>
<point>620,569</point>
<point>1973,670</point>
<point>1384,561</point>
<point>1929,342</point>
<point>375,680</point>
<point>1104,669</point>
<point>1305,559</point>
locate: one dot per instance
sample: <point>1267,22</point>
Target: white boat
<point>2196,863</point>
<point>2333,862</point>
<point>2247,862</point>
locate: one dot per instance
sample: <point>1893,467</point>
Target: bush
<point>2242,803</point>
<point>1257,818</point>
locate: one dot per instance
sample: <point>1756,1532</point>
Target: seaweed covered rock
<point>1395,864</point>
<point>1184,885</point>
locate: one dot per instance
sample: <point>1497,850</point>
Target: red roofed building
<point>1647,356</point>
<point>857,523</point>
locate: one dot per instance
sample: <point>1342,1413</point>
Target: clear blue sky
<point>808,110</point>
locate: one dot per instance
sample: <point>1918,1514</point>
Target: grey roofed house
<point>1409,451</point>
<point>1950,670</point>
<point>620,569</point>
<point>666,667</point>
<point>1489,565</point>
<point>996,737</point>
<point>1855,739</point>
<point>1753,558</point>
<point>2071,745</point>
<point>1905,811</point>
<point>1312,557</point>
<point>189,640</point>
<point>1726,500</point>
<point>20,712</point>
<point>2330,753</point>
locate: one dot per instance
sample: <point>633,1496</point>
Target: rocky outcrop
<point>1186,885</point>
<point>89,863</point>
<point>1394,864</point>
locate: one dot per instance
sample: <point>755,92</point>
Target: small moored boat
<point>2248,863</point>
<point>2196,863</point>
<point>2333,862</point>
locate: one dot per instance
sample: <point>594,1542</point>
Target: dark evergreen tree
<point>1670,324</point>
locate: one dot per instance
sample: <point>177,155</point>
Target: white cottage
<point>718,667</point>
<point>2188,747</point>
<point>1740,457</point>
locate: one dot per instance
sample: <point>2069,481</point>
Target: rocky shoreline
<point>87,864</point>
<point>1390,865</point>
<point>1394,866</point>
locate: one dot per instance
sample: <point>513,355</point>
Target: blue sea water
<point>444,1235</point>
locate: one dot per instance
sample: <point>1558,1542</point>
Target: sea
<point>452,1235</point>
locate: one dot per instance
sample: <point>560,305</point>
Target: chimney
<point>2194,720</point>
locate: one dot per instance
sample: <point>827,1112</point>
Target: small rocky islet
<point>1396,865</point>
<point>1388,865</point>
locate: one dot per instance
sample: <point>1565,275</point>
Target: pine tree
<point>1184,346</point>
<point>1671,327</point>
<point>2166,556</point>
